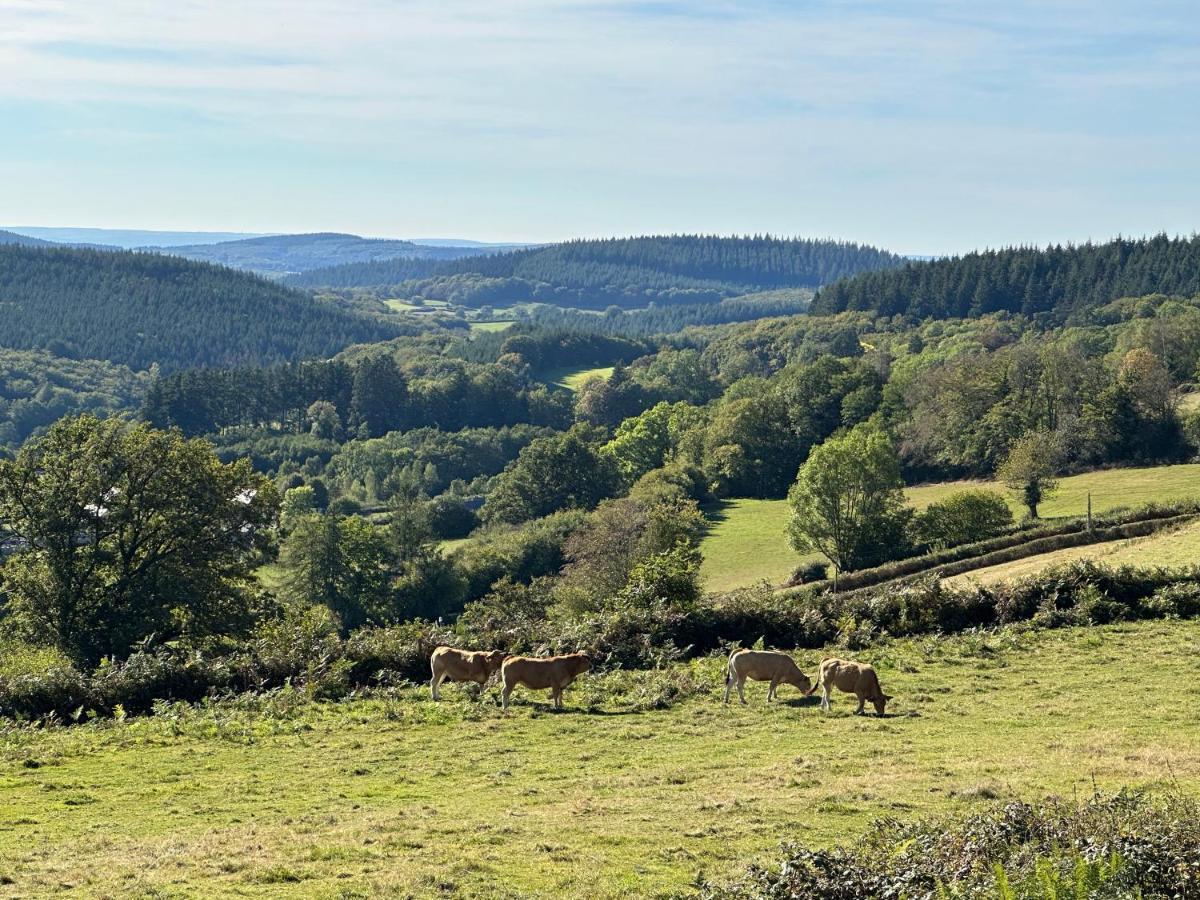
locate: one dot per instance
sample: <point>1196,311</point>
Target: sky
<point>926,127</point>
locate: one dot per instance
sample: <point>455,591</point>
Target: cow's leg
<point>434,682</point>
<point>861,701</point>
<point>742,689</point>
<point>771,690</point>
<point>825,697</point>
<point>556,696</point>
<point>504,694</point>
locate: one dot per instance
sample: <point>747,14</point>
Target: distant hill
<point>1059,281</point>
<point>624,272</point>
<point>288,253</point>
<point>127,238</point>
<point>11,237</point>
<point>143,308</point>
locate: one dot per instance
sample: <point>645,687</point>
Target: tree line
<point>1059,281</point>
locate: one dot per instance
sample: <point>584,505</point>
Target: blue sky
<point>924,126</point>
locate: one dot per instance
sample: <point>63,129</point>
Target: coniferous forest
<point>627,272</point>
<point>1058,281</point>
<point>140,309</point>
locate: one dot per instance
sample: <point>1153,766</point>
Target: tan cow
<point>554,672</point>
<point>850,678</point>
<point>763,665</point>
<point>462,665</point>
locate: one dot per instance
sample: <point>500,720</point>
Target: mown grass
<point>1172,548</point>
<point>395,796</point>
<point>747,541</point>
<point>572,378</point>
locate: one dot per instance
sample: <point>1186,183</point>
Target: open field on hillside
<point>492,326</point>
<point>747,542</point>
<point>573,378</point>
<point>1174,548</point>
<point>398,796</point>
<point>406,306</point>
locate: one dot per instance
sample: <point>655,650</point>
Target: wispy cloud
<point>775,112</point>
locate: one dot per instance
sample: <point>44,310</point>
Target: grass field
<point>398,797</point>
<point>747,541</point>
<point>491,326</point>
<point>1174,548</point>
<point>405,306</point>
<point>572,378</point>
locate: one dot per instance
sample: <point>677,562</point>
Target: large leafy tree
<point>128,532</point>
<point>848,500</point>
<point>562,472</point>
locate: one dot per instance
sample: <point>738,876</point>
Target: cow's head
<point>494,659</point>
<point>803,684</point>
<point>881,702</point>
<point>582,663</point>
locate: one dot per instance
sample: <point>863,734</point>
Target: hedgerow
<point>304,649</point>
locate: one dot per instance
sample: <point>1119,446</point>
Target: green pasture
<point>572,378</point>
<point>747,540</point>
<point>395,796</point>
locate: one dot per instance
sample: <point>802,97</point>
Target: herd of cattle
<point>557,672</point>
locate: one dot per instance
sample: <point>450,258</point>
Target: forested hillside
<point>1061,280</point>
<point>143,308</point>
<point>11,237</point>
<point>284,253</point>
<point>627,272</point>
<point>37,388</point>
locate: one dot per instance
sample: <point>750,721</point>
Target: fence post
<point>1089,510</point>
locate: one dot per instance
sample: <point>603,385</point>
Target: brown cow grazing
<point>462,665</point>
<point>851,678</point>
<point>763,665</point>
<point>554,672</point>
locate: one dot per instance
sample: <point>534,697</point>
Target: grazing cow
<point>850,678</point>
<point>555,672</point>
<point>462,665</point>
<point>763,665</point>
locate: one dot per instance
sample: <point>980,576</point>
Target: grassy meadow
<point>572,378</point>
<point>1173,548</point>
<point>396,796</point>
<point>747,542</point>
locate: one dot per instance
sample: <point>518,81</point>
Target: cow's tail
<point>816,684</point>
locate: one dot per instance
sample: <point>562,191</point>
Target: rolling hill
<point>1059,281</point>
<point>21,240</point>
<point>625,272</point>
<point>282,254</point>
<point>143,308</point>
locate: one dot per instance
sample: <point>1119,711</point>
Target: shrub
<point>962,518</point>
<point>39,681</point>
<point>810,572</point>
<point>451,517</point>
<point>1119,846</point>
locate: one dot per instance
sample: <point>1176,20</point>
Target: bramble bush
<point>1119,846</point>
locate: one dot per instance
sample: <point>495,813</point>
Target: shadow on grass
<point>715,513</point>
<point>548,709</point>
